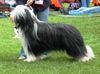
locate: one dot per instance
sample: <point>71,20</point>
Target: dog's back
<point>54,36</point>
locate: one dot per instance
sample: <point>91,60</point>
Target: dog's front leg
<point>30,57</point>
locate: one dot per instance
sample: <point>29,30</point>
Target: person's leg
<point>88,3</point>
<point>43,16</point>
<point>22,54</point>
<point>91,10</point>
<point>83,3</point>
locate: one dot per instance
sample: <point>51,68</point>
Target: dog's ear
<point>24,19</point>
<point>31,22</point>
<point>31,14</point>
<point>28,15</point>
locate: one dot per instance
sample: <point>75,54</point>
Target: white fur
<point>20,10</point>
<point>35,30</point>
<point>17,33</point>
<point>29,56</point>
<point>89,54</point>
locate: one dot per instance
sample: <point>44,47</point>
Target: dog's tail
<point>88,55</point>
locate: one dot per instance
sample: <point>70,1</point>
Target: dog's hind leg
<point>43,56</point>
<point>81,54</point>
<point>89,54</point>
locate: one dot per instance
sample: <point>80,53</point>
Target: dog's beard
<point>16,33</point>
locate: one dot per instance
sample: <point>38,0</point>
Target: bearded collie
<point>38,37</point>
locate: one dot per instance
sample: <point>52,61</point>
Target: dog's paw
<point>21,57</point>
<point>30,59</point>
<point>43,57</point>
<point>85,59</point>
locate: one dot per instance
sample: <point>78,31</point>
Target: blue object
<point>90,10</point>
<point>43,15</point>
<point>85,3</point>
<point>22,53</point>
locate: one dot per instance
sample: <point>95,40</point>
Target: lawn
<point>57,62</point>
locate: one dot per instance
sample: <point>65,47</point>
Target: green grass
<point>57,62</point>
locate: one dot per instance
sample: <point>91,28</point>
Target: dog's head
<point>22,15</point>
<point>24,18</point>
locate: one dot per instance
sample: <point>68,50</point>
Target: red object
<point>2,1</point>
<point>56,3</point>
<point>96,2</point>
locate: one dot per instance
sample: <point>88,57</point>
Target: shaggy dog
<point>38,37</point>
